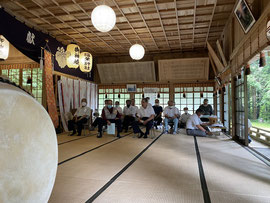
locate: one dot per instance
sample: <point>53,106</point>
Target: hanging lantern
<point>86,61</point>
<point>214,94</point>
<point>158,95</point>
<point>247,69</point>
<point>239,76</point>
<point>136,51</point>
<point>29,80</point>
<point>262,61</point>
<point>143,95</point>
<point>184,95</point>
<point>119,96</point>
<point>219,91</point>
<point>4,48</point>
<point>73,55</point>
<point>201,94</point>
<point>106,96</point>
<point>103,18</point>
<point>224,88</point>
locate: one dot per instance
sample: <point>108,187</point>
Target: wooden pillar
<point>221,102</point>
<point>233,108</point>
<point>246,109</point>
<point>21,78</point>
<point>44,99</point>
<point>171,91</point>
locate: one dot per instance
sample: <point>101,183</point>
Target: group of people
<point>147,115</point>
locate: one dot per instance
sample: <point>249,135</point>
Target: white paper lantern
<point>136,51</point>
<point>86,61</point>
<point>73,55</point>
<point>4,48</point>
<point>103,18</point>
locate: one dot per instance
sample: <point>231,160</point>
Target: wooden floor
<point>168,168</point>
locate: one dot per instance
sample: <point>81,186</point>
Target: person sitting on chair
<point>158,111</point>
<point>145,115</point>
<point>118,107</point>
<point>171,114</point>
<point>194,125</point>
<point>133,104</point>
<point>184,117</point>
<point>98,118</point>
<point>80,117</point>
<point>129,115</point>
<point>109,115</point>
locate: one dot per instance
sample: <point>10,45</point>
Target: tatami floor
<point>168,168</point>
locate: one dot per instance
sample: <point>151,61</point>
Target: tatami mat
<point>166,172</point>
<point>232,173</point>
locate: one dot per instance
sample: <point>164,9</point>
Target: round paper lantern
<point>86,61</point>
<point>4,48</point>
<point>73,55</point>
<point>103,18</point>
<point>136,51</point>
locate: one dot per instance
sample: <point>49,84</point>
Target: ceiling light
<point>136,51</point>
<point>103,18</point>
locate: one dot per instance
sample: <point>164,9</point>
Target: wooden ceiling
<point>159,25</point>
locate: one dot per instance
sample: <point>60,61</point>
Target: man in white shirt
<point>171,114</point>
<point>118,107</point>
<point>129,115</point>
<point>133,104</point>
<point>145,114</point>
<point>194,124</point>
<point>183,118</point>
<point>80,117</point>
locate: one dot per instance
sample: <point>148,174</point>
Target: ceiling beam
<point>210,23</point>
<point>177,23</point>
<point>161,23</point>
<point>194,22</point>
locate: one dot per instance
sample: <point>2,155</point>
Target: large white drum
<point>28,148</point>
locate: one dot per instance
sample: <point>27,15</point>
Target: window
<point>192,99</point>
<point>12,74</point>
<point>35,74</point>
<point>112,94</point>
<point>239,105</point>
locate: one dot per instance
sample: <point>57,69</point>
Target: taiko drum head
<point>28,148</point>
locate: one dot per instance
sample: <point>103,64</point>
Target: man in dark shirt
<point>109,115</point>
<point>207,108</point>
<point>158,111</point>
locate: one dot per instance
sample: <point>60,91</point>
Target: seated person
<point>129,115</point>
<point>194,125</point>
<point>117,106</point>
<point>171,114</point>
<point>206,108</point>
<point>109,115</point>
<point>145,115</point>
<point>80,117</point>
<point>184,117</point>
<point>98,119</point>
<point>158,111</point>
<point>133,104</point>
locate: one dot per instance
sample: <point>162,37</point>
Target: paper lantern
<point>103,18</point>
<point>73,55</point>
<point>136,51</point>
<point>86,61</point>
<point>4,48</point>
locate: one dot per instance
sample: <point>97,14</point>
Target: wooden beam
<point>216,60</point>
<point>212,64</point>
<point>194,22</point>
<point>221,54</point>
<point>210,23</point>
<point>177,23</point>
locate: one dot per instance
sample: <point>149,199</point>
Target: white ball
<point>136,51</point>
<point>103,18</point>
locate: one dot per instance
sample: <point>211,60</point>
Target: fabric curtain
<point>61,106</point>
<point>49,88</point>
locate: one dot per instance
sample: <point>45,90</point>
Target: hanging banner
<point>29,41</point>
<point>49,88</point>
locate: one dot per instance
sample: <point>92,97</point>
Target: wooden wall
<point>239,47</point>
<point>150,57</point>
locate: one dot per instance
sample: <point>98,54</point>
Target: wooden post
<point>171,90</point>
<point>221,102</point>
<point>233,108</point>
<point>246,109</point>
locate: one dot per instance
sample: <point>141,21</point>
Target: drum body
<point>28,148</point>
